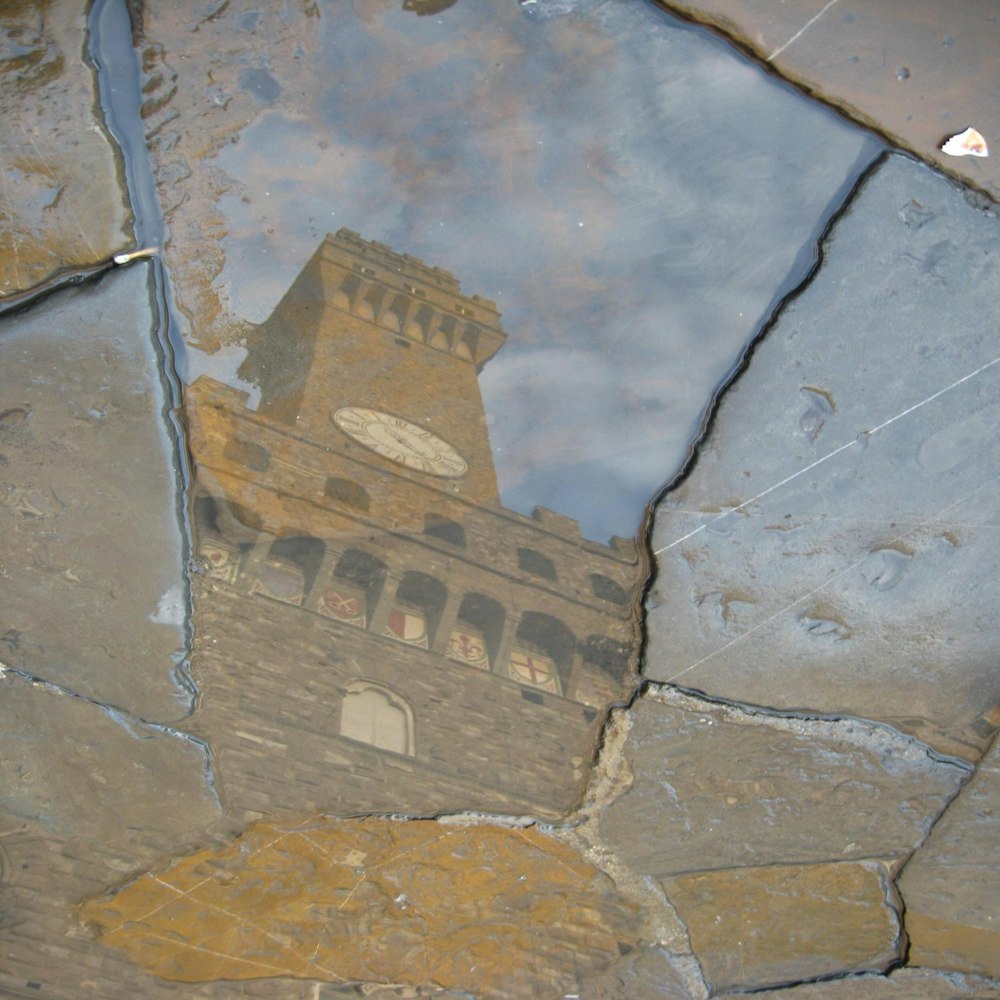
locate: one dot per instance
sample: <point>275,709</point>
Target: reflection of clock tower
<point>380,360</point>
<point>373,629</point>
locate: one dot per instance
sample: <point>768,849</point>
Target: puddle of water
<point>631,196</point>
<point>404,497</point>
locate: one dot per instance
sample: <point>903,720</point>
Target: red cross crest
<point>532,668</point>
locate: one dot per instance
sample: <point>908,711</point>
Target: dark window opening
<point>607,590</point>
<point>250,456</point>
<point>364,571</point>
<point>304,552</point>
<point>348,493</point>
<point>480,623</point>
<point>534,562</point>
<point>444,529</point>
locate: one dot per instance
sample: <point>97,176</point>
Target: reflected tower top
<point>374,353</point>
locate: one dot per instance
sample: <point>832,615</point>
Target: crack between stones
<point>110,51</point>
<point>124,718</point>
<point>731,36</point>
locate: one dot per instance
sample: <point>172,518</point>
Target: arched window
<point>475,636</point>
<point>609,656</point>
<point>415,612</point>
<point>347,493</point>
<point>353,589</point>
<point>222,556</point>
<point>288,572</point>
<point>607,590</point>
<point>542,653</point>
<point>534,562</point>
<point>445,529</point>
<point>376,715</point>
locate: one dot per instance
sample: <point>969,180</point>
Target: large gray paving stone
<point>857,458</point>
<point>120,788</point>
<point>91,576</point>
<point>951,886</point>
<point>902,984</point>
<point>714,787</point>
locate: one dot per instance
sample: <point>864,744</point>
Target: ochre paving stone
<point>756,927</point>
<point>951,886</point>
<point>919,71</point>
<point>62,199</point>
<point>725,787</point>
<point>497,911</point>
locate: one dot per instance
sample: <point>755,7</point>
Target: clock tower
<point>373,630</point>
<point>373,354</point>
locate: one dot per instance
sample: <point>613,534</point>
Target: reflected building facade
<point>374,630</point>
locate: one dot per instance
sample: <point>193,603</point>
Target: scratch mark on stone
<point>798,34</point>
<point>864,436</point>
<point>832,579</point>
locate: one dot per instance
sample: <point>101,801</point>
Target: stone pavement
<point>916,72</point>
<point>801,800</point>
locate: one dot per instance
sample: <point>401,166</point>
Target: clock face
<point>400,441</point>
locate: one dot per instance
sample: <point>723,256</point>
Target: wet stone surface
<point>506,912</point>
<point>724,788</point>
<point>397,607</point>
<point>60,203</point>
<point>919,71</point>
<point>832,553</point>
<point>952,884</point>
<point>62,767</point>
<point>93,595</point>
<point>763,927</point>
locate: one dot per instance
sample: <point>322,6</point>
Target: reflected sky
<point>632,195</point>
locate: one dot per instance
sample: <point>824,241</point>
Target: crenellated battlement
<point>401,294</point>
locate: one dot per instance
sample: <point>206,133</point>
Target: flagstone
<point>724,787</point>
<point>900,984</point>
<point>832,550</point>
<point>757,927</point>
<point>62,200</point>
<point>93,586</point>
<point>919,71</point>
<point>951,886</point>
<point>497,911</point>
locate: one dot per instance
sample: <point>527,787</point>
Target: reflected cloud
<point>618,183</point>
<point>631,253</point>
